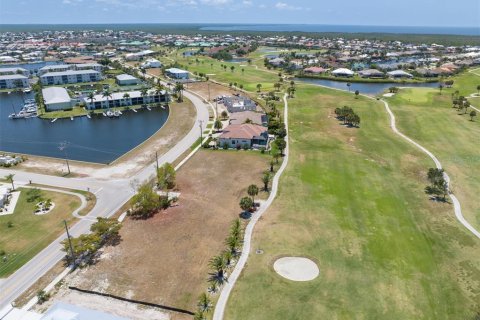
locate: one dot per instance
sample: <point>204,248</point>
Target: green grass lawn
<point>428,117</point>
<point>249,78</point>
<point>353,201</point>
<point>31,233</point>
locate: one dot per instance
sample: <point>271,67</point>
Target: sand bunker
<point>296,268</point>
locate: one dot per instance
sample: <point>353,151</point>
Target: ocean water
<point>196,27</point>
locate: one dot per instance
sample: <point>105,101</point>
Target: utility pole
<point>156,158</point>
<point>208,84</point>
<point>63,147</point>
<point>200,123</point>
<point>70,243</point>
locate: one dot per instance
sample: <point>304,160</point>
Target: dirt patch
<point>180,121</point>
<point>174,247</point>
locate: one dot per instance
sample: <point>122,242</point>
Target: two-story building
<point>70,76</point>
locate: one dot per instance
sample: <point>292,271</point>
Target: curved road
<point>227,289</point>
<point>111,196</point>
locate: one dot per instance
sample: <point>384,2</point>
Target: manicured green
<point>31,233</point>
<point>428,117</point>
<point>353,201</point>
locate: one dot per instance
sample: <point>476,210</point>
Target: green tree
<point>246,204</point>
<point>259,87</point>
<point>107,94</point>
<point>145,202</point>
<point>232,68</point>
<point>438,185</point>
<point>218,125</point>
<point>478,89</point>
<point>218,266</point>
<point>204,303</point>
<point>473,114</point>
<point>91,97</point>
<point>356,94</point>
<point>166,176</point>
<point>281,144</point>
<point>144,93</point>
<point>126,96</point>
<point>224,115</point>
<point>266,180</point>
<point>179,90</point>
<point>252,192</point>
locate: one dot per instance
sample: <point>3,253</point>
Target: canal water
<point>365,88</point>
<point>99,139</point>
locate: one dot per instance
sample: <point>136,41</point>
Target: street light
<point>200,124</point>
<point>63,147</point>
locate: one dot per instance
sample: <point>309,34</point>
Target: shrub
<point>42,296</point>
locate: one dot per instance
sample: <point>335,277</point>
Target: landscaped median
<point>352,200</point>
<point>24,233</point>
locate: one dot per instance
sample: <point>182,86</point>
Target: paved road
<point>227,289</point>
<point>111,195</point>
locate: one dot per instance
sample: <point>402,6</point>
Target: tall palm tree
<point>204,303</point>
<point>126,96</point>
<point>91,97</point>
<point>144,93</point>
<point>107,94</point>
<point>179,90</point>
<point>9,178</point>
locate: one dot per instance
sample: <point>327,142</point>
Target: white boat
<point>71,118</point>
<point>116,113</point>
<point>88,116</point>
<point>134,110</point>
<point>149,109</point>
<point>110,113</point>
<point>54,120</point>
<point>27,90</point>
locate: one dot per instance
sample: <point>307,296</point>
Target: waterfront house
<point>315,70</point>
<point>70,76</point>
<point>56,98</point>
<point>128,98</point>
<point>239,104</point>
<point>176,73</point>
<point>399,74</point>
<point>343,72</point>
<point>12,81</point>
<point>371,73</point>
<point>126,80</point>
<point>244,135</point>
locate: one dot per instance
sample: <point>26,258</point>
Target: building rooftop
<point>55,95</point>
<point>68,72</point>
<point>55,66</point>
<point>125,77</point>
<point>242,131</point>
<point>176,70</point>
<point>12,76</point>
<point>3,70</point>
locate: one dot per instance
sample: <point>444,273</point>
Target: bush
<point>42,296</point>
<point>225,146</point>
<point>245,146</point>
<point>2,253</point>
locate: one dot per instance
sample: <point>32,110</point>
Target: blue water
<point>365,88</point>
<point>473,31</point>
<point>99,139</point>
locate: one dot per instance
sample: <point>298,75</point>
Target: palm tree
<point>232,68</point>
<point>204,303</point>
<point>126,96</point>
<point>9,178</point>
<point>233,242</point>
<point>91,97</point>
<point>259,86</point>
<point>144,93</point>
<point>266,180</point>
<point>473,114</point>
<point>106,94</point>
<point>252,192</point>
<point>179,89</point>
<point>218,266</point>
<point>292,83</point>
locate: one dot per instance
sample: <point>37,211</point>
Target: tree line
<point>348,116</point>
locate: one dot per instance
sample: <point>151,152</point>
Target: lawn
<point>30,233</point>
<point>352,200</point>
<point>249,78</point>
<point>428,117</point>
<point>174,247</point>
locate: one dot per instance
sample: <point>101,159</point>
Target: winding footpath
<point>227,289</point>
<point>456,203</point>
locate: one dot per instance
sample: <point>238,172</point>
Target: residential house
<point>343,72</point>
<point>399,74</point>
<point>176,73</point>
<point>244,135</point>
<point>126,80</point>
<point>371,73</point>
<point>239,104</point>
<point>249,117</point>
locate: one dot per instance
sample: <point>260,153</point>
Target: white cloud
<point>286,6</point>
<point>215,2</point>
<point>247,3</point>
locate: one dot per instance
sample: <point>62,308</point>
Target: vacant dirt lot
<point>165,259</point>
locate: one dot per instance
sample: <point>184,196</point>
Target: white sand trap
<point>296,268</point>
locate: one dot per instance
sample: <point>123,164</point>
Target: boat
<point>110,114</point>
<point>116,113</point>
<point>149,109</point>
<point>134,110</point>
<point>29,110</point>
<point>27,90</point>
<point>71,118</point>
<point>88,116</point>
<point>54,120</point>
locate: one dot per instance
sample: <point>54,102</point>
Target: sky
<point>459,13</point>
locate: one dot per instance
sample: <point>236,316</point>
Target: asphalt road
<point>111,195</point>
